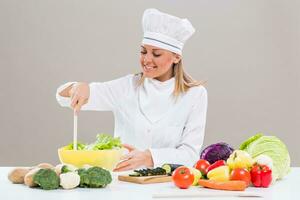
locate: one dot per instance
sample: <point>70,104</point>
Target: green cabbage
<point>272,147</point>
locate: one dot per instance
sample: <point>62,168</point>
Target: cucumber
<point>135,174</point>
<point>170,168</point>
<point>148,172</point>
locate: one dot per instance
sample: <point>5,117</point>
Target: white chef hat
<point>166,31</point>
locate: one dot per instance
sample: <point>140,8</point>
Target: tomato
<point>240,174</point>
<point>183,177</point>
<point>202,166</point>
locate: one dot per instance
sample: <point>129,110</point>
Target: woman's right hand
<point>79,94</point>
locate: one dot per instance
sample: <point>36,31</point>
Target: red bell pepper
<point>261,175</point>
<point>216,164</point>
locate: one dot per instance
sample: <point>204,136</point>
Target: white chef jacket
<point>148,116</point>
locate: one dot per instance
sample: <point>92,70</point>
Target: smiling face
<point>157,63</point>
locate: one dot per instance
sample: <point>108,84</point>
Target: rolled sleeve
<point>63,101</point>
<point>104,96</point>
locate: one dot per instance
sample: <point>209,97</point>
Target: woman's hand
<point>134,159</point>
<point>79,94</point>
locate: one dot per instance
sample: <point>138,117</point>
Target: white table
<point>288,188</point>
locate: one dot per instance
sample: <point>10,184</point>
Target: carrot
<point>223,185</point>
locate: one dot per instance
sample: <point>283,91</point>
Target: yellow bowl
<point>107,159</point>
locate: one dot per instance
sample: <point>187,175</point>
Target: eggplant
<point>170,168</point>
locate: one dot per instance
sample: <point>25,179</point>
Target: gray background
<point>248,51</point>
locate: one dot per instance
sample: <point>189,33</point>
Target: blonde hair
<point>183,81</point>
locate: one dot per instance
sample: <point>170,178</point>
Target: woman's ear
<point>177,58</point>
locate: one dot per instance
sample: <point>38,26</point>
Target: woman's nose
<point>147,59</point>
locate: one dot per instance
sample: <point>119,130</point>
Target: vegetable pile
<point>103,141</point>
<point>259,162</point>
<point>48,177</point>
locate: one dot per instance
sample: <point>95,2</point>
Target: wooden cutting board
<point>145,179</point>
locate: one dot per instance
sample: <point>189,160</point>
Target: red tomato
<point>239,174</point>
<point>183,177</point>
<point>202,166</point>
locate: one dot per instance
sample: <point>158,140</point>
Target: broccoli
<point>94,177</point>
<point>47,179</point>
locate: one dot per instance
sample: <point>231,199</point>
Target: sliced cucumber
<point>135,174</point>
<point>170,168</point>
<point>148,172</point>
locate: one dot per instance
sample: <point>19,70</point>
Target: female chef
<point>160,113</point>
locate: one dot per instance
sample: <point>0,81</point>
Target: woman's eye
<point>156,55</point>
<point>143,52</point>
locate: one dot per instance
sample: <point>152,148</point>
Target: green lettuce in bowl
<point>103,142</point>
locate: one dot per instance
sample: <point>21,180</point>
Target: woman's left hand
<point>134,159</point>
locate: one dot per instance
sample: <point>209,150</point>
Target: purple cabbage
<point>215,152</point>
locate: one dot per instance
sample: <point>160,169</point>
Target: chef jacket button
<point>148,130</point>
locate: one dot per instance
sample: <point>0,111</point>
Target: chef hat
<point>166,31</point>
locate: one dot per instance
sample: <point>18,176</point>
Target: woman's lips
<point>148,69</point>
